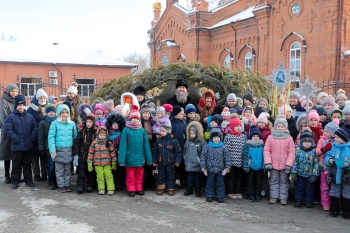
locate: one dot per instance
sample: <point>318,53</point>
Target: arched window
<point>295,59</point>
<point>165,60</point>
<point>248,60</point>
<point>227,61</point>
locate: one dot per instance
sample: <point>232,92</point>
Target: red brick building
<point>309,36</point>
<point>55,67</point>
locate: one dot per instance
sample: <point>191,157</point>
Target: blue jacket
<point>22,130</point>
<point>215,159</point>
<point>167,151</point>
<point>61,136</point>
<point>38,118</point>
<point>340,153</point>
<point>306,162</point>
<point>134,148</point>
<point>253,155</point>
<point>179,131</point>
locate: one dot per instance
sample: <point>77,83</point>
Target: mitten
<point>288,169</point>
<point>294,177</point>
<point>268,167</point>
<point>90,168</point>
<point>326,148</point>
<point>53,155</point>
<point>114,166</point>
<point>246,170</point>
<point>312,179</point>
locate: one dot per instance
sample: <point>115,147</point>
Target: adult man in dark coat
<point>181,97</point>
<point>140,93</point>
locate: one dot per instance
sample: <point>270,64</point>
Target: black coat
<point>292,128</point>
<point>82,143</point>
<point>173,101</point>
<point>7,105</point>
<point>43,134</point>
<point>22,130</point>
<point>167,151</point>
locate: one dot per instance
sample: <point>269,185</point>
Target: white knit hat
<point>39,93</point>
<point>263,117</point>
<point>73,88</point>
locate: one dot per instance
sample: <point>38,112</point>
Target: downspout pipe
<point>197,36</point>
<point>235,58</point>
<point>338,46</point>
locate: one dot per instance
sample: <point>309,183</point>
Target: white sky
<point>115,27</point>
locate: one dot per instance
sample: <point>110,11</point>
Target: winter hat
<point>217,118</point>
<point>52,97</point>
<point>329,100</point>
<point>239,100</point>
<point>246,109</point>
<point>20,99</point>
<point>294,94</point>
<point>99,109</point>
<point>306,136</point>
<point>118,108</point>
<point>181,82</point>
<point>215,132</point>
<point>263,117</point>
<point>90,117</point>
<point>84,110</point>
<point>39,93</point>
<point>338,111</point>
<point>167,127</point>
<point>102,130</point>
<point>194,129</point>
<point>320,95</point>
<point>98,100</point>
<point>235,121</point>
<point>281,119</point>
<point>302,120</point>
<point>134,114</point>
<point>331,128</point>
<point>342,134</point>
<point>177,109</point>
<point>313,115</point>
<point>109,105</point>
<point>249,97</point>
<point>283,109</point>
<point>262,100</point>
<point>10,87</point>
<point>151,103</point>
<point>226,115</point>
<point>231,96</point>
<point>73,88</point>
<point>254,131</point>
<point>139,90</point>
<point>340,95</point>
<point>303,102</point>
<point>50,108</point>
<point>168,107</point>
<point>162,110</point>
<point>68,103</point>
<point>322,111</point>
<point>145,108</point>
<point>346,109</point>
<point>190,108</point>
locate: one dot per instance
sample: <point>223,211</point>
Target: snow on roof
<point>213,6</point>
<point>347,52</point>
<point>55,54</point>
<point>170,44</point>
<point>245,14</point>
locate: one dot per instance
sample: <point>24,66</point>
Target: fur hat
<point>320,95</point>
<point>20,99</point>
<point>302,119</point>
<point>231,96</point>
<point>217,118</point>
<point>99,109</point>
<point>139,90</point>
<point>73,88</point>
<point>181,82</point>
<point>50,108</point>
<point>84,110</point>
<point>109,105</point>
<point>162,110</point>
<point>341,95</point>
<point>115,118</point>
<point>177,109</point>
<point>342,134</point>
<point>248,96</point>
<point>10,87</point>
<point>254,131</point>
<point>313,115</point>
<point>190,108</point>
<point>331,127</point>
<point>168,107</point>
<point>282,120</point>
<point>263,117</point>
<point>39,93</point>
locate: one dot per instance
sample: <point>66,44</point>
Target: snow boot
<point>160,189</point>
<point>189,191</point>
<point>334,212</point>
<point>346,208</point>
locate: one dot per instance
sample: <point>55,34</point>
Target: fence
<point>332,86</point>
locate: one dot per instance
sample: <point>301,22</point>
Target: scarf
<point>101,141</point>
<point>113,134</point>
<point>50,119</point>
<point>317,130</point>
<point>255,142</point>
<point>132,125</point>
<point>234,132</point>
<point>216,145</point>
<point>278,134</point>
<point>34,107</point>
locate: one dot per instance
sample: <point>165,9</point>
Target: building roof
<point>16,52</point>
<point>245,14</point>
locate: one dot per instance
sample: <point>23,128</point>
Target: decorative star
<point>307,89</point>
<point>281,78</point>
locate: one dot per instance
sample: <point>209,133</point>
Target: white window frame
<point>86,90</point>
<point>295,48</point>
<point>165,60</point>
<point>29,85</point>
<point>248,60</point>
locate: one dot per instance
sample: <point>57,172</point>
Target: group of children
<point>123,145</point>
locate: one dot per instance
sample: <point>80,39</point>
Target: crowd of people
<point>231,149</point>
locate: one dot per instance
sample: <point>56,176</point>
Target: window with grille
<point>30,85</point>
<point>86,87</point>
<point>248,60</point>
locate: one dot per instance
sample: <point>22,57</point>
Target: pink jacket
<point>279,152</point>
<point>321,143</point>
